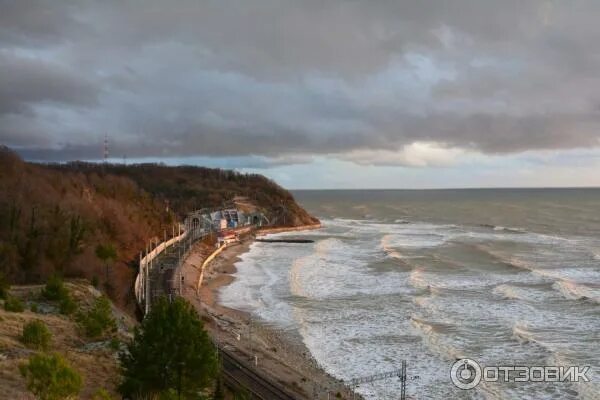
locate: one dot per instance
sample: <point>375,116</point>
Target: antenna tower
<point>105,147</point>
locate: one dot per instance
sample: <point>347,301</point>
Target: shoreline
<point>280,354</point>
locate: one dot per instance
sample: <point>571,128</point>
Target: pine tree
<point>50,377</point>
<point>170,352</point>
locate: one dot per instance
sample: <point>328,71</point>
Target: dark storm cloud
<point>26,81</point>
<point>274,78</point>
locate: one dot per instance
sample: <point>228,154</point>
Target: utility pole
<point>403,381</point>
<point>401,373</point>
<point>105,155</point>
<point>250,335</point>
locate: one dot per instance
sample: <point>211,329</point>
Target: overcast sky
<point>315,94</point>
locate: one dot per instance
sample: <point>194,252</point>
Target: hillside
<point>95,359</point>
<point>186,188</point>
<point>52,217</point>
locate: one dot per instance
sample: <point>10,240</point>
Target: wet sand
<point>280,354</point>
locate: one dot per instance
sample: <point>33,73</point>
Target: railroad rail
<point>237,375</point>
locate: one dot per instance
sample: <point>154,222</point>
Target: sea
<point>504,277</point>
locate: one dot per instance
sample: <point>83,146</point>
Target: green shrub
<point>50,377</point>
<point>13,304</point>
<point>95,281</point>
<point>115,344</point>
<point>4,286</point>
<point>67,305</point>
<point>55,289</point>
<point>33,307</point>
<point>102,394</point>
<point>98,320</point>
<point>36,335</point>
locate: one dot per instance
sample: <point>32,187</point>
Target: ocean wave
<point>295,278</point>
<point>577,291</point>
<point>500,260</point>
<point>534,293</point>
<point>436,336</point>
<point>500,228</point>
<point>508,292</point>
<point>418,279</point>
<point>525,335</point>
<point>542,344</point>
<point>386,246</point>
<point>350,290</point>
<point>324,246</point>
<point>525,265</point>
<point>415,240</point>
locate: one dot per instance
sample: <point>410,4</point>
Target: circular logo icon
<point>465,373</point>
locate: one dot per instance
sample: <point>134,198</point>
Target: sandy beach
<point>281,355</point>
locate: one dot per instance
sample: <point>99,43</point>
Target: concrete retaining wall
<point>147,259</point>
<point>206,262</point>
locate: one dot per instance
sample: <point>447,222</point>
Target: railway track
<point>237,376</point>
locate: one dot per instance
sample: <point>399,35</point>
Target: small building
<point>231,216</point>
<point>227,236</point>
<point>254,218</point>
<point>206,220</point>
<point>223,224</point>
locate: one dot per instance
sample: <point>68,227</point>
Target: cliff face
<point>52,217</point>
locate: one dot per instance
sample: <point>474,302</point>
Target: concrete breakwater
<point>266,231</point>
<point>285,240</point>
<point>263,231</point>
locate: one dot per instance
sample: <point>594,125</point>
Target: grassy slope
<point>98,367</point>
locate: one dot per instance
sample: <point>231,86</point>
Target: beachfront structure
<point>226,237</point>
<point>216,220</point>
<point>226,218</point>
<point>198,221</point>
<point>255,218</point>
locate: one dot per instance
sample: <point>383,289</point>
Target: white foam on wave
<point>351,342</point>
<point>577,291</point>
<point>439,341</point>
<point>526,293</point>
<point>387,247</point>
<point>523,334</point>
<point>257,286</point>
<point>415,240</point>
<point>509,229</point>
<point>355,319</point>
<point>336,269</point>
<point>439,280</point>
<point>418,279</point>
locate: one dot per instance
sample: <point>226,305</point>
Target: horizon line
<point>452,188</point>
